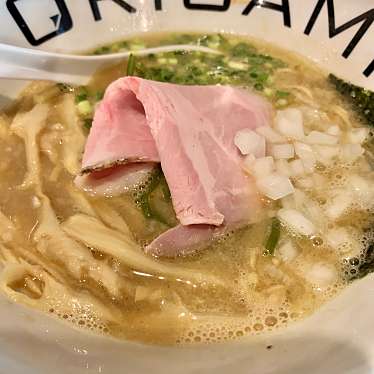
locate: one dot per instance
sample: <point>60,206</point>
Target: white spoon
<point>31,64</point>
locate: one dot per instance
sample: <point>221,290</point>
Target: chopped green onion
<point>237,65</point>
<point>268,91</point>
<point>161,209</point>
<point>65,88</point>
<point>173,61</point>
<point>82,94</point>
<point>124,44</point>
<point>282,94</point>
<point>99,95</point>
<point>130,65</point>
<point>165,190</point>
<point>144,199</point>
<point>243,50</point>
<point>102,50</point>
<point>154,201</point>
<point>87,123</point>
<point>115,47</point>
<point>273,238</point>
<point>281,103</point>
<point>136,46</point>
<point>84,108</point>
<point>81,97</point>
<point>162,60</point>
<point>262,76</point>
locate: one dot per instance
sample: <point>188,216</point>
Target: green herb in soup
<point>273,238</point>
<point>77,251</point>
<point>361,99</point>
<point>239,64</point>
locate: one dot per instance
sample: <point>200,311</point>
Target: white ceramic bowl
<point>337,339</point>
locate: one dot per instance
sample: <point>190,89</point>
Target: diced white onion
<point>237,65</point>
<point>275,186</point>
<point>359,185</point>
<point>305,183</point>
<point>325,153</point>
<point>297,168</point>
<point>282,167</point>
<point>312,115</point>
<point>358,135</point>
<point>300,198</point>
<point>283,151</point>
<point>319,180</point>
<point>338,238</point>
<point>261,167</point>
<point>310,209</point>
<point>321,138</point>
<point>273,271</point>
<point>351,152</point>
<point>338,205</point>
<point>307,156</point>
<point>270,135</point>
<point>250,142</point>
<point>321,274</point>
<point>362,190</point>
<point>288,202</point>
<point>296,221</point>
<point>303,150</point>
<point>309,165</point>
<point>248,162</point>
<point>289,122</point>
<point>287,251</point>
<point>343,241</point>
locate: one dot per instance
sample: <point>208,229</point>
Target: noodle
<point>94,234</point>
<point>73,139</point>
<point>28,126</point>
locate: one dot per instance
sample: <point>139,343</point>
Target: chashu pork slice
<point>190,130</point>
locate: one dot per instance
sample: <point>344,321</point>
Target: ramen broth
<point>231,287</point>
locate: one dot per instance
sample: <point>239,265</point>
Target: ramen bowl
<point>338,36</point>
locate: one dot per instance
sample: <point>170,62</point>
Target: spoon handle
<point>32,64</point>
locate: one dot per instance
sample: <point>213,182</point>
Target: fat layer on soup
<point>201,198</point>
